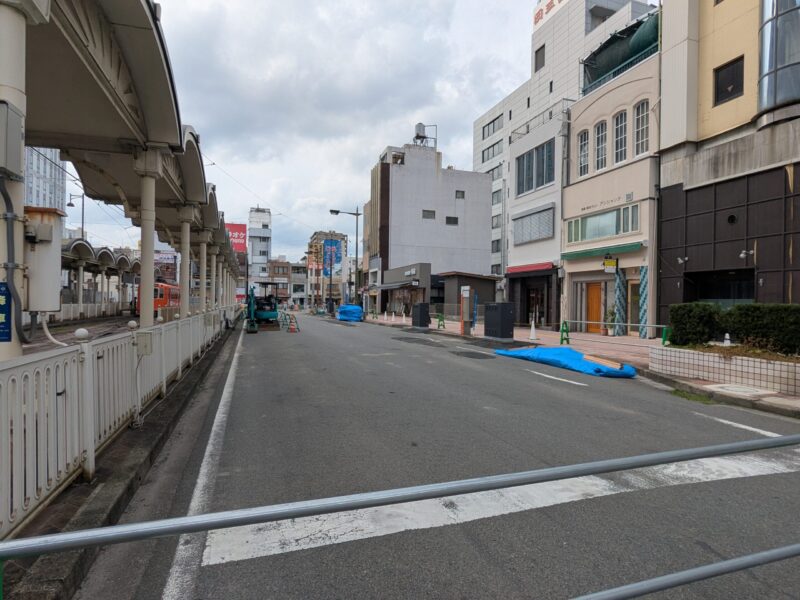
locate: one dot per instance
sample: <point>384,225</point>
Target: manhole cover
<point>742,390</point>
<point>468,354</point>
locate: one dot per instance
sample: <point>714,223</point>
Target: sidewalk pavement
<point>636,352</point>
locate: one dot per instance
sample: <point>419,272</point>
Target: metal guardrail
<point>59,408</point>
<point>117,534</point>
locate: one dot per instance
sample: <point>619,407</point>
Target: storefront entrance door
<point>593,307</point>
<point>633,307</point>
<point>536,305</point>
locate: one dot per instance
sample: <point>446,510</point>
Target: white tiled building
<point>259,244</point>
<point>45,178</point>
<point>521,142</point>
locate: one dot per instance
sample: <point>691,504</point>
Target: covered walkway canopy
<point>98,85</point>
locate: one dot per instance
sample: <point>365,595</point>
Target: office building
<point>259,246</point>
<point>730,153</point>
<point>45,178</point>
<point>419,212</point>
<point>609,205</point>
<point>521,142</point>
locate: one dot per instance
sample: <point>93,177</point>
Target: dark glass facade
<point>779,38</point>
<point>730,242</point>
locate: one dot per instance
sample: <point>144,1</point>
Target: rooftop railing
<point>626,66</point>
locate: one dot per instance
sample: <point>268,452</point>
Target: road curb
<point>121,468</point>
<point>753,403</point>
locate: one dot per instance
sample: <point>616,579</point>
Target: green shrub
<point>773,327</point>
<point>694,323</point>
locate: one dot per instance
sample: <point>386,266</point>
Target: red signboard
<point>238,235</point>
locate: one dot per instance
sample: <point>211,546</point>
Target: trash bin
<point>499,321</point>
<point>420,315</point>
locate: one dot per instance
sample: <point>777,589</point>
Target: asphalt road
<point>340,409</point>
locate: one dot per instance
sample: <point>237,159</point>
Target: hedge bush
<point>773,327</point>
<point>694,323</point>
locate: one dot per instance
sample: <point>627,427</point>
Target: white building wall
<point>421,184</point>
<point>259,243</point>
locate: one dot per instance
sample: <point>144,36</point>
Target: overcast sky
<point>295,100</point>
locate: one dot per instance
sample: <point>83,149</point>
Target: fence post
<point>180,350</point>
<point>163,332</point>
<point>87,411</point>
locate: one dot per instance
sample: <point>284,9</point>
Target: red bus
<point>165,295</point>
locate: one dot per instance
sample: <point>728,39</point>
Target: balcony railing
<point>627,65</point>
<point>556,111</point>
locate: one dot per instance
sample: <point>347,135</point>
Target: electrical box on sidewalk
<point>144,343</point>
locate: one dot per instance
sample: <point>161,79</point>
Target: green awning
<point>621,249</point>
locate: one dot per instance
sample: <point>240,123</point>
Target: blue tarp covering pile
<point>567,358</point>
<point>350,312</point>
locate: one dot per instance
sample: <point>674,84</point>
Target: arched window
<point>641,127</point>
<point>600,150</point>
<point>583,153</point>
<point>620,136</point>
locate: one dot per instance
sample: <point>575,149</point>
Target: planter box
<point>782,377</point>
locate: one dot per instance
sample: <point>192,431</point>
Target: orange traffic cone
<point>292,324</point>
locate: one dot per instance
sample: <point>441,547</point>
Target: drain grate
<point>420,341</point>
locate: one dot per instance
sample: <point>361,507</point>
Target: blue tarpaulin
<point>567,358</point>
<point>350,312</point>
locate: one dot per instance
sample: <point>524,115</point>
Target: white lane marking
<point>255,541</point>
<point>475,350</point>
<point>183,573</point>
<point>558,378</point>
<point>741,426</point>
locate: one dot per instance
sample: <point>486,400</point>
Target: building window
<point>600,145</point>
<point>620,136</point>
<point>451,220</point>
<point>538,226</point>
<point>496,222</point>
<point>492,151</point>
<point>492,126</point>
<point>428,214</point>
<point>641,127</point>
<point>536,167</point>
<point>538,59</point>
<point>603,225</point>
<point>460,194</point>
<point>497,269</point>
<point>729,81</point>
<point>496,245</point>
<point>583,153</point>
<point>497,197</point>
<point>496,173</point>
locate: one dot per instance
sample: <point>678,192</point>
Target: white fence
<point>59,408</point>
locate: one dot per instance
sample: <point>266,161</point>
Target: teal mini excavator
<point>260,310</point>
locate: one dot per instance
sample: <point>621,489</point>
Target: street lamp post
<point>356,215</point>
<point>83,207</point>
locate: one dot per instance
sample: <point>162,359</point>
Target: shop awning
<point>396,286</point>
<point>544,266</point>
<point>621,249</point>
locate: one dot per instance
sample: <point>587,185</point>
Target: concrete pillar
<point>203,268</point>
<point>218,288</point>
<point>79,282</point>
<point>12,89</point>
<point>186,266</point>
<point>148,226</point>
<point>212,290</point>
